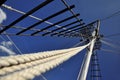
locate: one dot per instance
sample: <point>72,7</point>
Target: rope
<point>111,41</point>
<point>32,65</point>
<point>111,45</point>
<point>65,3</point>
<point>30,72</point>
<point>113,35</point>
<point>110,51</point>
<point>14,44</point>
<point>110,16</point>
<point>24,58</point>
<point>81,42</point>
<point>5,49</point>
<point>43,77</point>
<point>12,53</point>
<point>12,41</point>
<point>2,37</point>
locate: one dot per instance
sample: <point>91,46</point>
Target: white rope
<point>12,42</point>
<point>20,59</point>
<point>31,72</point>
<point>81,42</point>
<point>27,65</point>
<point>4,49</point>
<point>110,51</point>
<point>2,37</point>
<point>32,67</point>
<point>43,77</point>
<point>111,44</point>
<point>35,68</point>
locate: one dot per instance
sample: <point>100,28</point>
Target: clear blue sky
<point>90,10</point>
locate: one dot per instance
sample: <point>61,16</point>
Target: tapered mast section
<point>90,34</point>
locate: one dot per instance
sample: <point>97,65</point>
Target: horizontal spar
<point>27,14</point>
<point>38,23</point>
<point>58,23</point>
<point>59,33</point>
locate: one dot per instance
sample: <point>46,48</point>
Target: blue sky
<point>90,10</point>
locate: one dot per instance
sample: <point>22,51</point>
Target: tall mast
<point>86,62</point>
